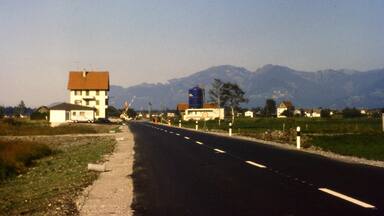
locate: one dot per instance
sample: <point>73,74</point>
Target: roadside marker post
<point>298,144</point>
<point>197,125</point>
<point>169,122</point>
<point>179,123</point>
<point>283,127</point>
<point>382,117</point>
<point>230,129</point>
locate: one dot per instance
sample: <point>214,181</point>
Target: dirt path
<point>112,192</point>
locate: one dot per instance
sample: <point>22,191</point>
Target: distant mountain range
<point>325,88</point>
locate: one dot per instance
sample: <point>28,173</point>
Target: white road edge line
<point>186,138</point>
<point>255,164</point>
<point>200,143</point>
<point>219,150</point>
<point>177,134</point>
<point>347,198</point>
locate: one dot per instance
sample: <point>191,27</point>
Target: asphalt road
<point>182,172</point>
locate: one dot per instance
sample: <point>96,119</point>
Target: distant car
<point>103,121</point>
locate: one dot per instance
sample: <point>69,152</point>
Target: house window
<point>97,92</point>
<point>87,93</point>
<point>106,102</point>
<point>77,92</point>
<point>87,103</point>
<point>74,113</point>
<point>97,102</point>
<point>82,114</point>
<point>78,102</point>
<point>97,112</point>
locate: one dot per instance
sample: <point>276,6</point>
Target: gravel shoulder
<point>112,192</point>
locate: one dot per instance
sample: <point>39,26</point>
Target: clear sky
<point>154,41</point>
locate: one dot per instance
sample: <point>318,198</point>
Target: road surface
<point>182,172</point>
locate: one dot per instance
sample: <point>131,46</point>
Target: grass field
<point>21,127</point>
<point>360,137</point>
<point>308,125</point>
<point>51,184</point>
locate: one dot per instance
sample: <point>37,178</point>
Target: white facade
<point>58,116</point>
<point>248,114</point>
<point>280,111</point>
<point>313,114</point>
<point>91,98</point>
<point>203,114</point>
<point>82,115</point>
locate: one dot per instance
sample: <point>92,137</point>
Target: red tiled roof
<point>182,107</point>
<point>89,80</point>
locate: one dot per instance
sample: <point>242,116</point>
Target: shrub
<point>39,116</point>
<point>325,113</point>
<point>16,156</point>
<point>351,113</point>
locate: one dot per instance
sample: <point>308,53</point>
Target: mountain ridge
<point>323,88</point>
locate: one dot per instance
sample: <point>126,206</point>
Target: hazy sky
<point>153,41</point>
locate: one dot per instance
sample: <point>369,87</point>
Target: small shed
<point>248,113</point>
<point>66,112</point>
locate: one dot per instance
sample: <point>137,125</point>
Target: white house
<point>90,88</point>
<point>248,114</point>
<point>203,114</point>
<point>283,106</point>
<point>312,113</point>
<point>66,112</point>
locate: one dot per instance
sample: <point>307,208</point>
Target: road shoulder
<point>112,192</point>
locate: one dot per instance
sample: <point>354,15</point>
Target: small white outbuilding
<point>248,114</point>
<point>66,112</point>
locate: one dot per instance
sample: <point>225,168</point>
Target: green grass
<point>51,185</point>
<point>359,145</point>
<point>21,127</point>
<point>308,125</point>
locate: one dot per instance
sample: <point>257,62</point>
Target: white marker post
<point>197,125</point>
<point>230,129</point>
<point>179,123</point>
<point>169,122</point>
<point>298,144</point>
<point>382,116</point>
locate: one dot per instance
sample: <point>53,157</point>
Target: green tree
<point>20,109</point>
<point>325,113</point>
<point>270,107</point>
<point>351,113</point>
<point>2,112</point>
<point>216,92</point>
<point>232,96</point>
<point>113,112</point>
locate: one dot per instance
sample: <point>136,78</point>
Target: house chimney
<point>84,73</point>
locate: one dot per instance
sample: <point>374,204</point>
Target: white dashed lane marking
<point>255,164</point>
<point>177,134</point>
<point>200,143</point>
<point>347,198</point>
<point>186,138</point>
<point>219,151</point>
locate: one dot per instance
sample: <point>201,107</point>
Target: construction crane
<point>124,114</point>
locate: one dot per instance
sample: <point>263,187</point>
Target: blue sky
<point>154,41</point>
